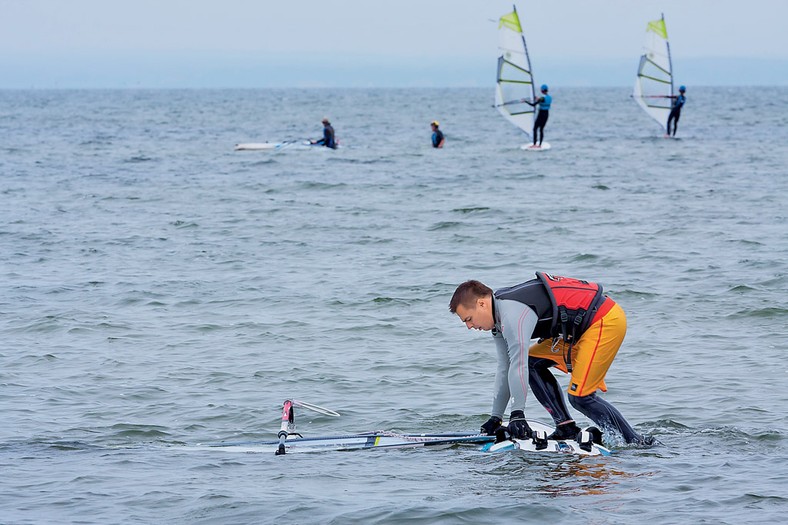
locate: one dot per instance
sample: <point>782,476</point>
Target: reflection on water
<point>583,477</point>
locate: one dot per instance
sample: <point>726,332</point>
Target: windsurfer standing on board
<point>675,112</point>
<point>580,331</point>
<point>328,139</point>
<point>544,112</point>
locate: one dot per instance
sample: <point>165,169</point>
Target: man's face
<point>478,316</point>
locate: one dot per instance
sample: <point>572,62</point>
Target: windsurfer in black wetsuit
<point>328,139</point>
<point>675,112</point>
<point>544,103</point>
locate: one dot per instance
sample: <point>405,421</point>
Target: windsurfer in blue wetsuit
<point>437,135</point>
<point>675,112</point>
<point>328,139</point>
<point>544,103</point>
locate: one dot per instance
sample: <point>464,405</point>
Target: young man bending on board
<point>579,330</point>
<point>544,112</point>
<point>675,112</point>
<point>328,139</point>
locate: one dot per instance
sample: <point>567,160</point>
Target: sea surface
<point>161,291</point>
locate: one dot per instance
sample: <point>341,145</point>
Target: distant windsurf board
<point>530,147</point>
<point>268,146</point>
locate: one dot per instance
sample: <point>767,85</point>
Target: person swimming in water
<point>437,135</point>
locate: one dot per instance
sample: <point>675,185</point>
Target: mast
<point>527,56</point>
<point>514,90</point>
<point>670,60</point>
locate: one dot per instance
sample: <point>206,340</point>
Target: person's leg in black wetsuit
<point>606,416</point>
<point>547,391</point>
<point>674,116</point>
<point>545,387</point>
<point>539,124</point>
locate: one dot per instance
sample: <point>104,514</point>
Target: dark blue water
<point>160,290</point>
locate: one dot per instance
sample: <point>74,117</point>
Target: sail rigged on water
<point>654,82</point>
<point>515,82</point>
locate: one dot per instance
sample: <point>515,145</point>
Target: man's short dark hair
<point>467,293</point>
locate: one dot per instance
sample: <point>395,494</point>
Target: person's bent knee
<point>539,363</point>
<point>581,403</point>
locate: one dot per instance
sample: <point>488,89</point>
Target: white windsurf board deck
<point>390,440</point>
<point>530,147</point>
<point>269,146</point>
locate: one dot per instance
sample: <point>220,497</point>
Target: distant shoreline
<point>244,72</point>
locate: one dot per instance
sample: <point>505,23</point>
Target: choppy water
<point>160,290</point>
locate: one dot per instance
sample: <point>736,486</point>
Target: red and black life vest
<point>565,306</point>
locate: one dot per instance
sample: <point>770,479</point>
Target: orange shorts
<point>592,355</point>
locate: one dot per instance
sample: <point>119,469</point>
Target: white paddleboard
<point>391,440</point>
<point>268,146</point>
<point>384,440</point>
<point>567,446</point>
<point>530,147</point>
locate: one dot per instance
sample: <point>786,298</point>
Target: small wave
<point>138,159</point>
<point>263,162</point>
<point>127,430</point>
<point>471,210</point>
<point>760,313</point>
<point>49,323</point>
<point>311,185</point>
<point>184,224</point>
<point>742,288</point>
<point>70,445</point>
<point>444,225</point>
<point>96,142</point>
<point>391,301</point>
<point>581,257</point>
<point>746,242</point>
<point>665,425</point>
<point>362,161</point>
<point>34,446</point>
<point>635,293</point>
<point>371,240</point>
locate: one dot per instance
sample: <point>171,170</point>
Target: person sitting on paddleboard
<point>579,330</point>
<point>675,112</point>
<point>437,135</point>
<point>328,139</point>
<point>544,103</point>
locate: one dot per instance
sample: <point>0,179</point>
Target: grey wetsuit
<point>514,324</point>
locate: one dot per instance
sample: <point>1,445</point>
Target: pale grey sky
<point>249,43</point>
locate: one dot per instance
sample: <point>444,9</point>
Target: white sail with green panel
<point>654,82</point>
<point>515,82</point>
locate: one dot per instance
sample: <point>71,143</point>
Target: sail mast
<point>527,57</point>
<point>653,89</point>
<point>514,82</point>
<point>670,60</point>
